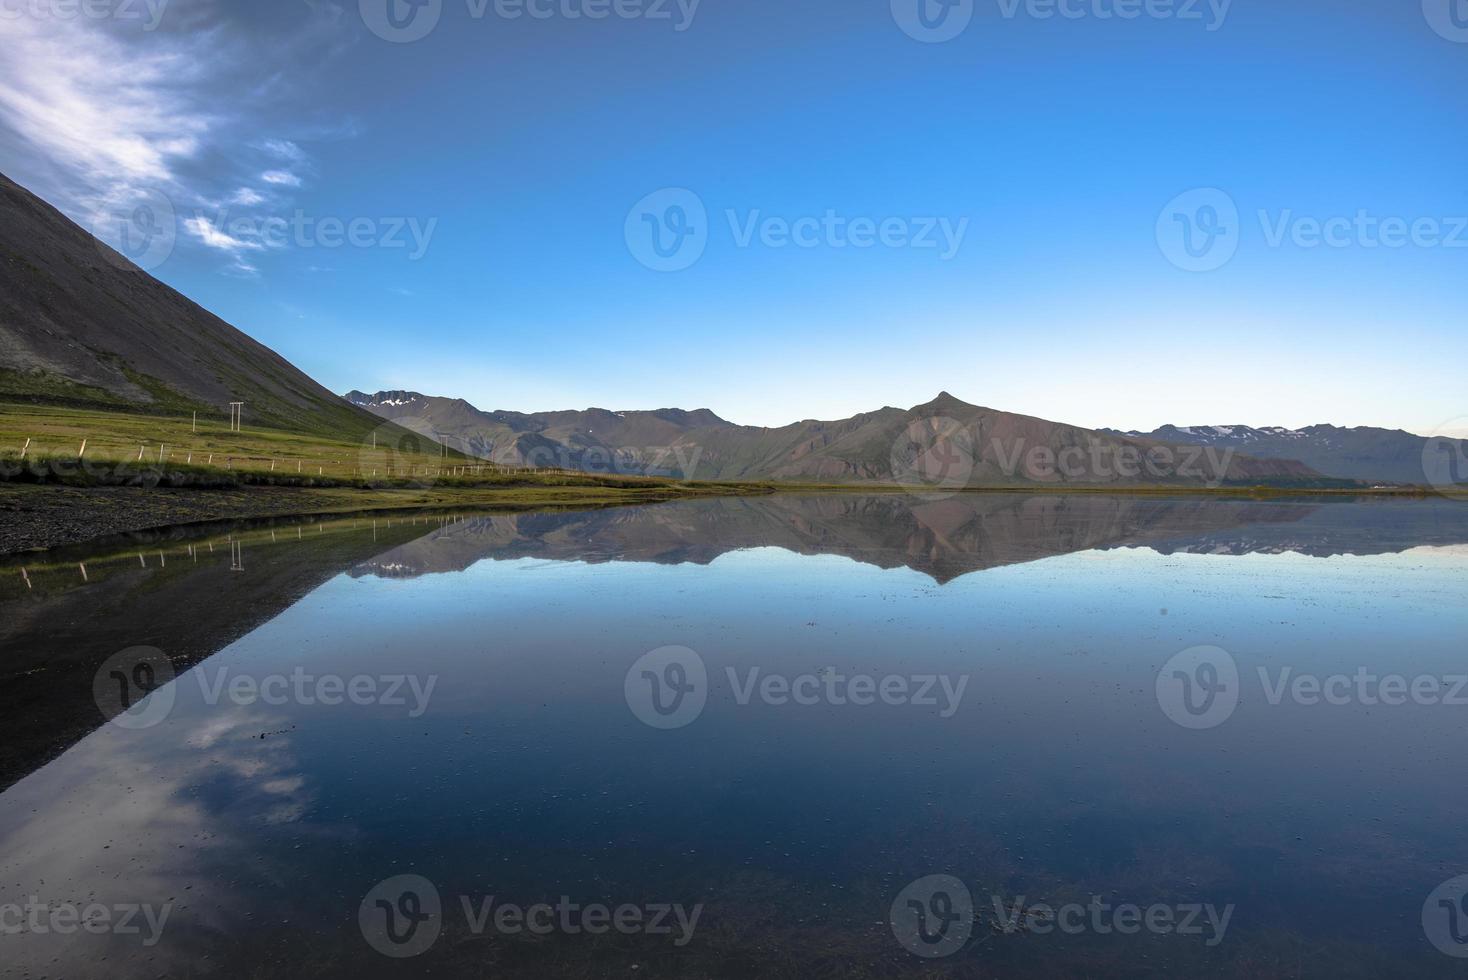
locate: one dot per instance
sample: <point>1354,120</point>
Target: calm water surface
<point>794,736</point>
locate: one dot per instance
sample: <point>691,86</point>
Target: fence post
<point>24,448</point>
<point>82,451</point>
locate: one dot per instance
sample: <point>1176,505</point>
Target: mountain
<point>81,325</point>
<point>1362,453</point>
<point>945,443</point>
<point>596,439</point>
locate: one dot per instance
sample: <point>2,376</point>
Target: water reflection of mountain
<point>59,620</point>
<point>942,538</point>
<point>191,594</point>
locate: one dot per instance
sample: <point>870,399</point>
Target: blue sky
<point>1053,150</point>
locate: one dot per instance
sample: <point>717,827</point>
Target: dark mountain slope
<point>81,325</point>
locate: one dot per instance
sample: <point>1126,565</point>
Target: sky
<point>1117,213</point>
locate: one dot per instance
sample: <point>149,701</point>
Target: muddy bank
<point>37,517</point>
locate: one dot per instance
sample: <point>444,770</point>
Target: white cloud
<point>241,269</point>
<point>284,149</point>
<point>205,231</point>
<point>282,178</point>
<point>112,115</point>
<point>246,197</point>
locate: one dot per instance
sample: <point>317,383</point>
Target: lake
<point>791,736</point>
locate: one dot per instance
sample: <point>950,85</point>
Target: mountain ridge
<point>1369,453</point>
<point>944,442</point>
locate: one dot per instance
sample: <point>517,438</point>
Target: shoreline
<point>40,517</point>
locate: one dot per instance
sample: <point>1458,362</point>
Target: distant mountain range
<point>1363,453</point>
<point>82,325</point>
<point>945,443</point>
<point>573,440</point>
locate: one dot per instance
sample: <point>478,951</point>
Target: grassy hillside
<point>115,437</point>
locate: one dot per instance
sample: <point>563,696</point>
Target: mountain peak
<point>944,400</point>
<point>396,397</point>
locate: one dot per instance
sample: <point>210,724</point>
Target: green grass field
<point>58,433</point>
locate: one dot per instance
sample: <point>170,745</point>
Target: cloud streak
<point>210,234</point>
<point>114,118</point>
<point>98,115</point>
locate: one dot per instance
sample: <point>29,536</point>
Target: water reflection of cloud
<point>102,825</point>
